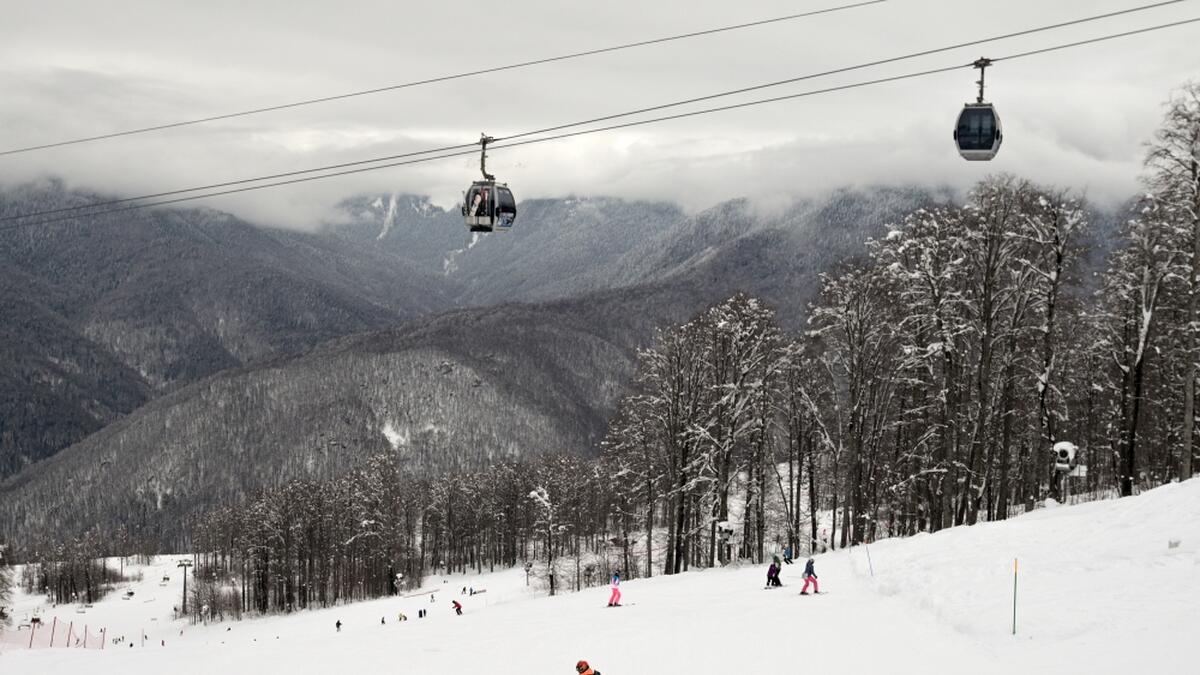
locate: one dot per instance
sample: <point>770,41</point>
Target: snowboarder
<point>773,576</point>
<point>810,576</point>
<point>584,669</point>
<point>614,599</point>
<point>338,625</point>
<point>457,607</point>
<point>787,555</point>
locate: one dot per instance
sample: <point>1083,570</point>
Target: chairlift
<point>978,133</point>
<point>488,205</point>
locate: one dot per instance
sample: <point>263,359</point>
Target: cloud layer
<point>1075,118</point>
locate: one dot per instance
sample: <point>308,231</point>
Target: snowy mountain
<point>158,299</point>
<point>217,314</point>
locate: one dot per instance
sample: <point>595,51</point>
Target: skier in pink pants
<point>810,576</point>
<point>614,600</point>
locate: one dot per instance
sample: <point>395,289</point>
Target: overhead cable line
<point>606,118</point>
<point>500,145</point>
<point>446,78</point>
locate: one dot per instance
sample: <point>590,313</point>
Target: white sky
<point>1076,118</point>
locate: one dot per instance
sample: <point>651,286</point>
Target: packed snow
<point>1103,587</point>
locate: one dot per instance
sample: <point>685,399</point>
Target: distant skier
<point>810,576</point>
<point>401,617</point>
<point>584,669</point>
<point>773,576</point>
<point>338,625</point>
<point>457,607</point>
<point>614,599</point>
<point>787,555</point>
<point>382,621</point>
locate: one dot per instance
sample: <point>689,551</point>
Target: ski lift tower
<point>185,564</point>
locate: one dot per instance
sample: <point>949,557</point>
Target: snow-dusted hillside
<point>1101,590</point>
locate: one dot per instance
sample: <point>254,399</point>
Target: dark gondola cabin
<point>489,206</point>
<point>978,134</point>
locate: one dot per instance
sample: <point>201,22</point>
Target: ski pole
<point>1014,596</point>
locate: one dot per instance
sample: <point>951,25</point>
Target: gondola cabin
<point>978,134</point>
<point>489,206</point>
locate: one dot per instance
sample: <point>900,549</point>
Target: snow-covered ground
<point>1101,590</point>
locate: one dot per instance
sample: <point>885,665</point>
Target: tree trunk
<point>1189,386</point>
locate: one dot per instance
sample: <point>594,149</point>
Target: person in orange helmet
<point>584,669</point>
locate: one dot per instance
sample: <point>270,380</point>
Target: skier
<point>457,607</point>
<point>584,669</point>
<point>338,625</point>
<point>614,599</point>
<point>401,617</point>
<point>773,576</point>
<point>787,555</point>
<point>382,622</point>
<point>810,576</point>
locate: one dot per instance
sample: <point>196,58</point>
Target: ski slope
<point>1100,591</point>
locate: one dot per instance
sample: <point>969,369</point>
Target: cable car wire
<point>583,132</point>
<point>623,125</point>
<point>446,78</point>
<point>605,118</point>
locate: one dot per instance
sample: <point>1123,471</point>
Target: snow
<point>448,263</point>
<point>395,438</point>
<point>390,218</point>
<point>1103,588</point>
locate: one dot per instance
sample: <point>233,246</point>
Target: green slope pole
<point>1014,596</point>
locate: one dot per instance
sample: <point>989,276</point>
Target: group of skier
<point>810,574</point>
<point>421,614</point>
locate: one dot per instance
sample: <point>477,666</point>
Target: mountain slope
<point>56,386</point>
<point>452,392</point>
<point>157,299</point>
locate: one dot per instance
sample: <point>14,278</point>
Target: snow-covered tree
<point>1174,177</point>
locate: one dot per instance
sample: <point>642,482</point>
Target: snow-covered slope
<point>1101,590</point>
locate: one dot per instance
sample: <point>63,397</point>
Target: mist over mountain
<point>236,357</point>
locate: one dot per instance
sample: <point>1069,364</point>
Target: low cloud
<point>1076,118</point>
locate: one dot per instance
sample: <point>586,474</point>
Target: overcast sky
<point>74,68</point>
